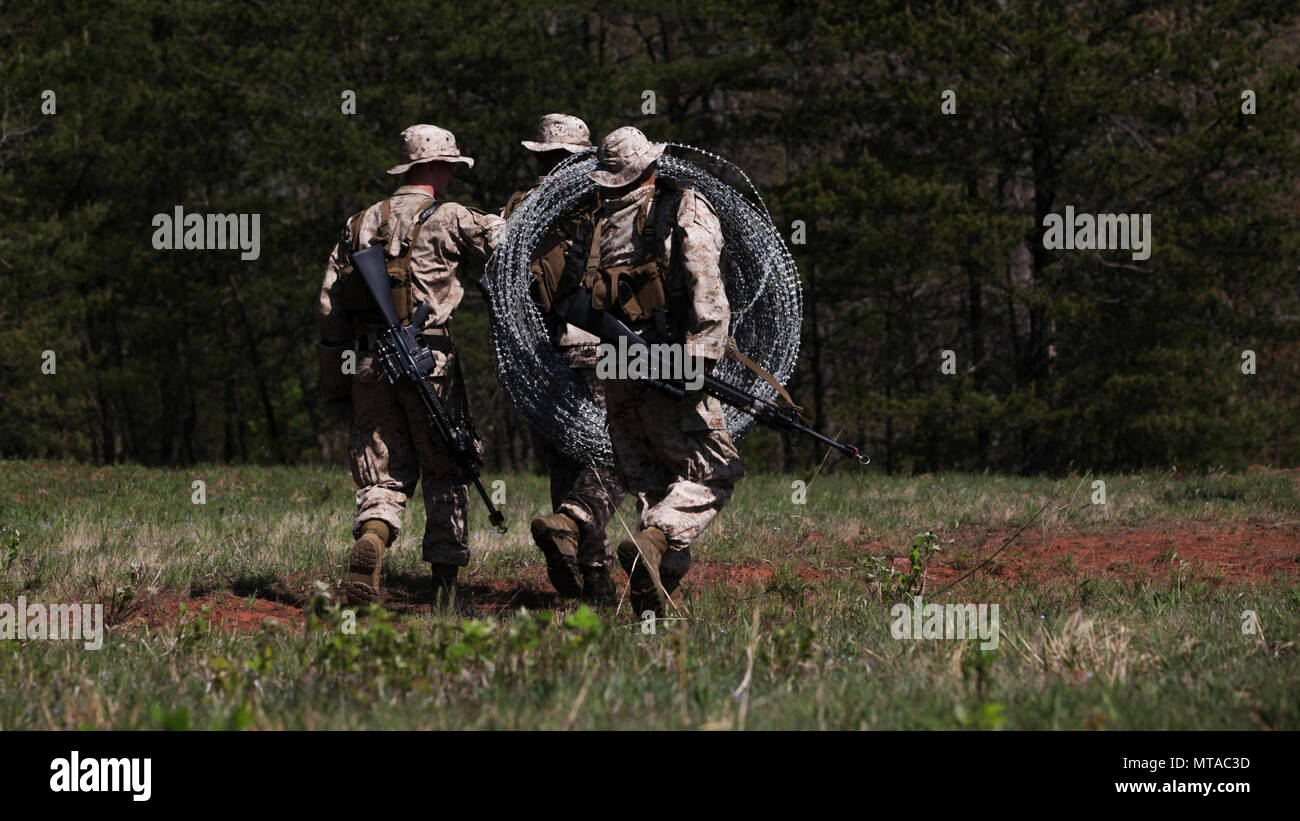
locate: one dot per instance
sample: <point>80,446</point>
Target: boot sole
<point>359,593</point>
<point>363,563</point>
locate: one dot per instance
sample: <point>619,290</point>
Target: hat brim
<point>572,148</point>
<point>404,167</point>
<point>610,179</point>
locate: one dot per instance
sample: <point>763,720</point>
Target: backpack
<point>354,296</point>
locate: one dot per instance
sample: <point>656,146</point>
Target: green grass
<point>1074,653</point>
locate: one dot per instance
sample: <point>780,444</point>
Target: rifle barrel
<point>578,311</point>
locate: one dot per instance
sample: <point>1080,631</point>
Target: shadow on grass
<point>270,587</point>
<point>406,590</point>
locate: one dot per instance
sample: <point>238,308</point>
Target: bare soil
<point>1235,553</point>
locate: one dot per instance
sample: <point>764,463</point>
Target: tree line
<point>917,150</point>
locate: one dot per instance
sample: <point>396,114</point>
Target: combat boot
<point>557,535</point>
<point>672,567</point>
<point>642,567</point>
<point>598,586</point>
<point>447,595</point>
<point>361,585</point>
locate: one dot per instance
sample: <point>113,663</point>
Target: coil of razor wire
<point>762,286</point>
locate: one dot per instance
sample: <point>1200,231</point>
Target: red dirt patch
<point>226,610</point>
<point>1237,552</point>
<point>725,574</point>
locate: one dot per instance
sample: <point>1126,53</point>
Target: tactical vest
<point>516,199</point>
<point>551,260</point>
<point>355,298</point>
<point>651,287</point>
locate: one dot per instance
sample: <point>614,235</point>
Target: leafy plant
<point>895,585</point>
<point>976,667</point>
<point>10,538</point>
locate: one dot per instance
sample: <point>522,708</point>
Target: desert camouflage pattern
<point>624,155</point>
<point>454,233</point>
<point>675,456</point>
<point>582,491</point>
<point>620,244</point>
<point>560,131</point>
<point>391,446</point>
<point>428,143</point>
<point>585,493</point>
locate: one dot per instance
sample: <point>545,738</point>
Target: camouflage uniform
<point>391,445</point>
<point>676,456</point>
<point>582,491</point>
<point>586,493</point>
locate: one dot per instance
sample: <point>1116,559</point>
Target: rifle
<point>403,356</point>
<point>580,313</point>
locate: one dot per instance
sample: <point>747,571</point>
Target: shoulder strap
<point>385,220</point>
<point>351,236</point>
<point>592,276</point>
<point>426,213</point>
<point>593,248</point>
<point>414,230</point>
<point>661,218</point>
<point>673,266</point>
<point>761,372</point>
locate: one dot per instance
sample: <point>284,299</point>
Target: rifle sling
<point>761,372</point>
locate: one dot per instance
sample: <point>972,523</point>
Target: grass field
<point>1123,615</point>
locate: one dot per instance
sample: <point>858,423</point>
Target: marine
<point>654,262</point>
<point>391,447</point>
<point>583,495</point>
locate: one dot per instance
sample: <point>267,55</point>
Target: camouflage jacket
<point>576,342</point>
<point>452,234</point>
<point>708,315</point>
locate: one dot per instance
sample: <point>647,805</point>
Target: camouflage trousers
<point>582,491</point>
<point>676,457</point>
<point>392,448</point>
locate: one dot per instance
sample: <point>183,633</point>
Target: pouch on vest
<point>552,267</point>
<point>651,284</point>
